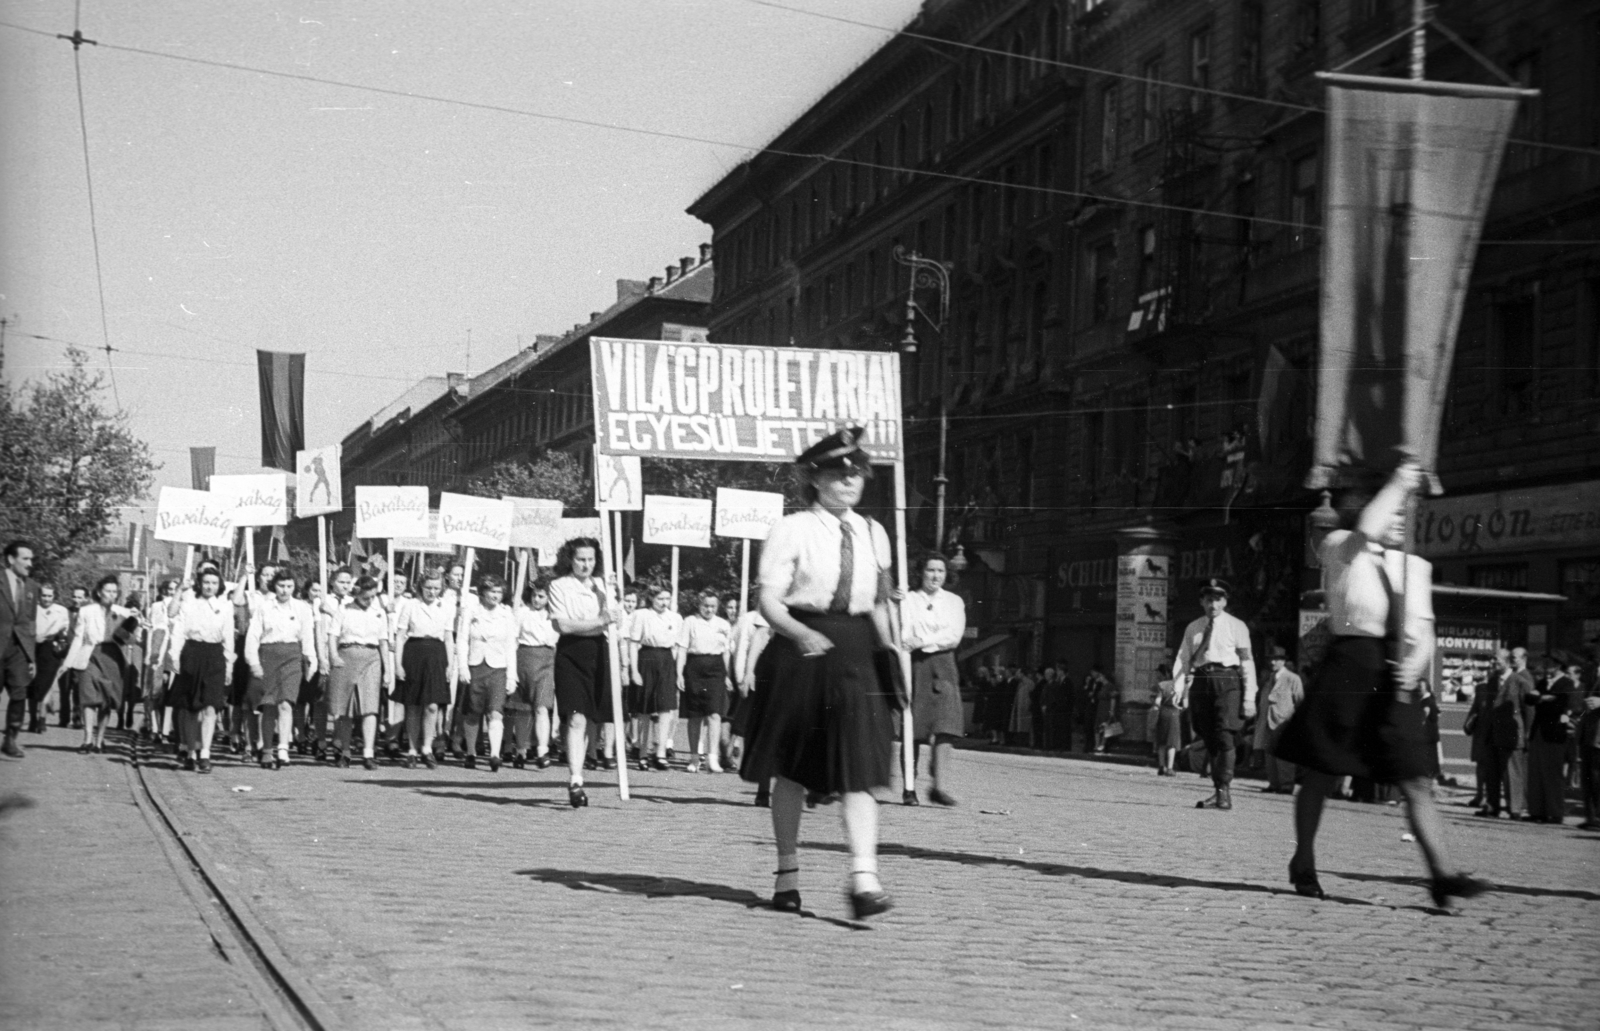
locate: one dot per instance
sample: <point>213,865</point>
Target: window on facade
<point>976,202</point>
<point>792,229</point>
<point>1200,68</point>
<point>788,320</point>
<point>925,138</point>
<point>980,92</point>
<point>1094,447</point>
<point>829,300</point>
<point>1589,331</point>
<point>835,209</point>
<point>1185,421</point>
<point>1150,101</point>
<point>813,228</point>
<point>852,299</point>
<point>1148,274</point>
<point>1038,307</point>
<point>852,187</point>
<point>1008,200</point>
<point>1025,492</point>
<point>900,152</point>
<point>955,121</point>
<point>1501,576</point>
<point>1244,236</point>
<point>1102,269</point>
<point>1307,25</point>
<point>1045,178</point>
<point>1518,353</point>
<point>1580,583</point>
<point>1108,126</point>
<point>1529,123</point>
<point>1250,70</point>
<point>1052,35</point>
<point>947,246</point>
<point>872,277</point>
<point>1002,334</point>
<point>1305,202</point>
<point>1013,71</point>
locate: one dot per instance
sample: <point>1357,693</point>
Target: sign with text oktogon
<point>720,401</point>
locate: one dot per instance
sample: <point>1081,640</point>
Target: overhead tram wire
<point>77,40</point>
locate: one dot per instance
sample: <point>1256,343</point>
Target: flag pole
<point>609,534</point>
<point>909,752</point>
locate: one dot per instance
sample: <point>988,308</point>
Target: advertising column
<point>1144,564</point>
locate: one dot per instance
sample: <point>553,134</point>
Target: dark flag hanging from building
<point>283,408</point>
<point>1410,166</point>
<point>202,465</point>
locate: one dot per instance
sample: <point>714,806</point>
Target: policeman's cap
<point>1216,586</point>
<point>841,450</point>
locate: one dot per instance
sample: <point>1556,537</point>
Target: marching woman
<point>105,628</point>
<point>426,651</point>
<point>657,634</point>
<point>638,731</point>
<point>309,701</point>
<point>202,650</point>
<point>703,679</point>
<point>751,634</point>
<point>1360,716</point>
<point>936,619</point>
<point>535,698</point>
<point>488,667</point>
<point>821,719</point>
<point>281,648</point>
<point>52,638</point>
<point>358,647</point>
<point>580,610</point>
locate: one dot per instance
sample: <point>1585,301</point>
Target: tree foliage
<point>66,463</point>
<point>552,475</point>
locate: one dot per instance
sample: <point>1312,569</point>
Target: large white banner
<point>317,489</point>
<point>682,522</point>
<point>258,499</point>
<point>391,511</point>
<point>429,545</point>
<point>194,517</point>
<point>535,523</point>
<point>747,513</point>
<point>475,522</point>
<point>676,400</point>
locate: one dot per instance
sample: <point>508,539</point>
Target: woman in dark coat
<point>1547,746</point>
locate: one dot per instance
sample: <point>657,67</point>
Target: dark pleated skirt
<point>823,722</point>
<point>659,670</point>
<point>936,696</point>
<point>1350,723</point>
<point>705,687</point>
<point>104,679</point>
<point>583,677</point>
<point>202,680</point>
<point>427,679</point>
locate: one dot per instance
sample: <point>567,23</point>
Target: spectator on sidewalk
<point>1167,736</point>
<point>1508,737</point>
<point>1102,699</point>
<point>1282,699</point>
<point>1476,727</point>
<point>50,647</point>
<point>72,666</point>
<point>1021,726</point>
<point>19,618</point>
<point>1550,700</point>
<point>936,620</point>
<point>1589,757</point>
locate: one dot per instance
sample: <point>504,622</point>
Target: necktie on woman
<point>847,569</point>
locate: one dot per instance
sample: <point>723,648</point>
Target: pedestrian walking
<point>75,663</point>
<point>105,628</point>
<point>425,656</point>
<point>703,681</point>
<point>1283,697</point>
<point>1216,680</point>
<point>158,662</point>
<point>19,625</point>
<point>358,643</point>
<point>657,637</point>
<point>1168,736</point>
<point>582,614</point>
<point>936,621</point>
<point>50,635</point>
<point>822,719</point>
<point>751,635</point>
<point>1360,718</point>
<point>281,649</point>
<point>487,670</point>
<point>533,705</point>
<point>202,651</point>
<point>1551,702</point>
<point>1103,696</point>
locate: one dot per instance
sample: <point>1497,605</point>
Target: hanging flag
<point>627,564</point>
<point>356,551</point>
<point>277,547</point>
<point>202,465</point>
<point>1410,168</point>
<point>283,411</point>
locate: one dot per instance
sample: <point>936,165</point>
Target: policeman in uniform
<point>1215,677</point>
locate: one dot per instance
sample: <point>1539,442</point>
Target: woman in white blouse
<point>936,619</point>
<point>488,667</point>
<point>280,647</point>
<point>202,650</point>
<point>534,702</point>
<point>582,614</point>
<point>425,654</point>
<point>703,682</point>
<point>1361,716</point>
<point>657,636</point>
<point>821,720</point>
<point>102,632</point>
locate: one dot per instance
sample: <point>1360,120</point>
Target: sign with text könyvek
<point>536,523</point>
<point>194,517</point>
<point>258,500</point>
<point>475,522</point>
<point>749,514</point>
<point>317,488</point>
<point>391,512</point>
<point>720,401</point>
<point>681,522</point>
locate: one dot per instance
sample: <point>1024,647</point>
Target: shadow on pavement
<point>652,886</point>
<point>1504,889</point>
<point>1065,870</point>
<point>532,803</point>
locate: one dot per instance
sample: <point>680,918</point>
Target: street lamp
<point>927,274</point>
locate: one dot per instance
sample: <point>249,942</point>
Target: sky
<point>238,211</point>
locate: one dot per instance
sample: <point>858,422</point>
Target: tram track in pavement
<point>287,1001</point>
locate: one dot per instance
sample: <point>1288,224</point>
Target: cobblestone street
<point>1059,894</point>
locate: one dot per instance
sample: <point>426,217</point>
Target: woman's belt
<point>354,644</point>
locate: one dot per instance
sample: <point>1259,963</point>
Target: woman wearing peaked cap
<point>821,718</point>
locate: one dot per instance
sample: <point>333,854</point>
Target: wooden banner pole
<point>188,568</point>
<point>390,556</point>
<point>676,605</point>
<point>322,552</point>
<point>609,534</point>
<point>909,753</point>
<point>744,577</point>
<point>522,578</point>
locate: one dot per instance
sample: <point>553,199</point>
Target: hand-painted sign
<point>391,512</point>
<point>747,513</point>
<point>258,500</point>
<point>535,523</point>
<point>718,401</point>
<point>475,522</point>
<point>429,545</point>
<point>683,522</point>
<point>618,483</point>
<point>317,489</point>
<point>194,517</point>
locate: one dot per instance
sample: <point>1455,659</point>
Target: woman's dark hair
<point>706,595</point>
<point>169,582</point>
<point>564,556</point>
<point>109,578</point>
<point>492,581</point>
<point>200,577</point>
<point>533,586</point>
<point>365,584</point>
<point>280,576</point>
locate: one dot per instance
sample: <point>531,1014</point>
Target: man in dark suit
<point>1476,727</point>
<point>18,613</point>
<point>1506,745</point>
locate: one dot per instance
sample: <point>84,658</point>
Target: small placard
<point>475,522</point>
<point>391,512</point>
<point>187,516</point>
<point>258,500</point>
<point>749,514</point>
<point>317,490</point>
<point>618,483</point>
<point>682,522</point>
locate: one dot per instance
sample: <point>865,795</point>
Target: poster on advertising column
<point>665,399</point>
<point>1141,645</point>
